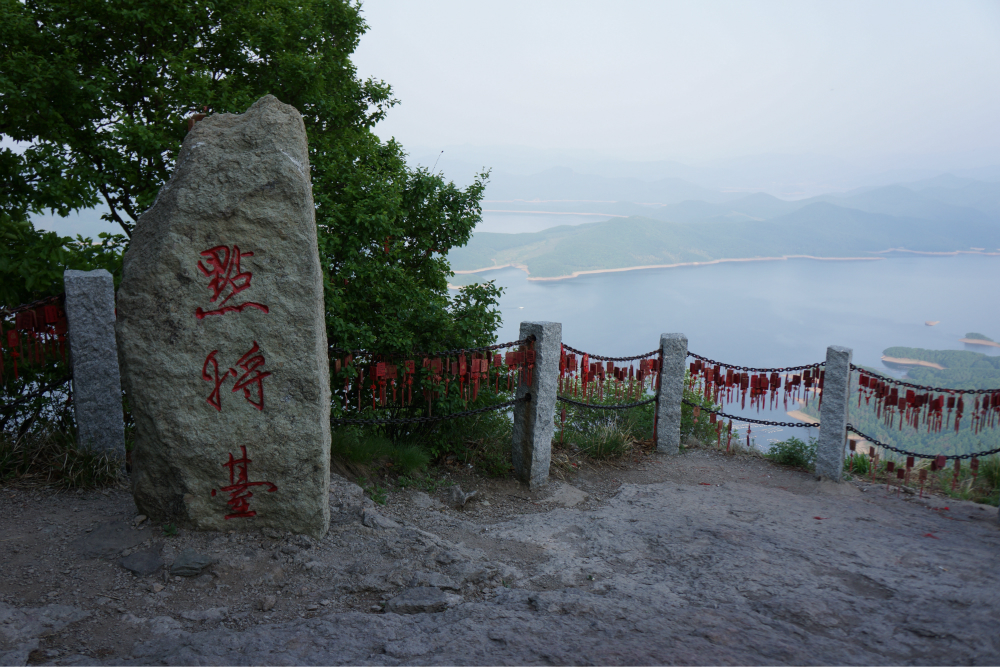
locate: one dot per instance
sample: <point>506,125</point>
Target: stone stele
<point>221,333</point>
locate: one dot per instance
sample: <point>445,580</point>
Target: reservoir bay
<point>769,313</point>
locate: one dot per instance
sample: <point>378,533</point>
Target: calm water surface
<point>768,314</point>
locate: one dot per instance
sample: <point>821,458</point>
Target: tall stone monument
<point>221,333</point>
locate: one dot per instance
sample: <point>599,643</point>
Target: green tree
<point>100,92</point>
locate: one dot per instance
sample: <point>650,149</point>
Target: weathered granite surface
<point>834,413</point>
<point>532,432</point>
<point>674,352</point>
<point>97,386</point>
<point>221,333</point>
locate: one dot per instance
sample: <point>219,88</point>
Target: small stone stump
<point>221,333</point>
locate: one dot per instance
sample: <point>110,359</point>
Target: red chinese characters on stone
<point>213,398</point>
<point>251,382</point>
<point>222,265</point>
<point>239,486</point>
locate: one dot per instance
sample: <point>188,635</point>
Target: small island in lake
<point>978,339</point>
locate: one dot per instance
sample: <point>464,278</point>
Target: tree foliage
<point>101,92</point>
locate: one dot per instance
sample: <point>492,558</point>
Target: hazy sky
<point>692,81</point>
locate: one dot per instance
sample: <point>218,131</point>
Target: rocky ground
<point>700,558</point>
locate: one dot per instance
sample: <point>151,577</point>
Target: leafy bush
<point>360,447</point>
<point>355,446</point>
<point>703,429</point>
<point>857,464</point>
<point>409,458</point>
<point>794,452</point>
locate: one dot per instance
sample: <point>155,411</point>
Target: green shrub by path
<point>608,434</point>
<point>857,463</point>
<point>982,489</point>
<point>794,452</point>
<point>355,446</point>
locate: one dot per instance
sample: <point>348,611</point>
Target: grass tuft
<point>605,441</point>
<point>52,457</point>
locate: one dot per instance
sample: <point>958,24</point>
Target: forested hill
<point>820,229</point>
<point>943,214</point>
<point>963,369</point>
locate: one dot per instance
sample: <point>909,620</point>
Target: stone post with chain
<point>532,434</point>
<point>834,413</point>
<point>674,352</point>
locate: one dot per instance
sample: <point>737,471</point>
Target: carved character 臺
<point>239,486</point>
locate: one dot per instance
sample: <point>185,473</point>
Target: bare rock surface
<point>108,539</point>
<point>696,559</point>
<point>221,333</point>
<point>144,562</point>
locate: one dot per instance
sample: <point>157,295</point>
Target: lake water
<point>768,314</point>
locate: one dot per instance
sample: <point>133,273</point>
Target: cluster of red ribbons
<point>386,383</point>
<point>723,384</point>
<point>915,408</point>
<point>903,474</point>
<point>585,378</point>
<point>36,335</point>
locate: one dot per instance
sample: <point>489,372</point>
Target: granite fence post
<point>674,352</point>
<point>97,385</point>
<point>532,435</point>
<point>834,413</point>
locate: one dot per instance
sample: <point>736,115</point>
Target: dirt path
<point>696,559</point>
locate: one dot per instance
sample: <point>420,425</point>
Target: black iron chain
<point>7,312</point>
<point>748,419</point>
<point>601,358</point>
<point>915,454</point>
<point>428,420</point>
<point>621,406</point>
<point>756,370</point>
<point>38,392</point>
<point>442,353</point>
<point>921,386</point>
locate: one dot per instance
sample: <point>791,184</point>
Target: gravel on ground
<point>700,558</point>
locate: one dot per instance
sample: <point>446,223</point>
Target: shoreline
<point>577,274</point>
<point>803,417</point>
<point>903,361</point>
<point>592,215</point>
<point>977,341</point>
<point>781,258</point>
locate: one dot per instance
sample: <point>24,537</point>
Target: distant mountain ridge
<point>946,214</point>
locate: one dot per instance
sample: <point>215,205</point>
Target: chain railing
<point>440,353</point>
<point>784,369</point>
<point>36,393</point>
<point>599,357</point>
<point>433,418</point>
<point>7,312</point>
<point>598,406</point>
<point>916,455</point>
<point>921,387</point>
<point>720,413</point>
